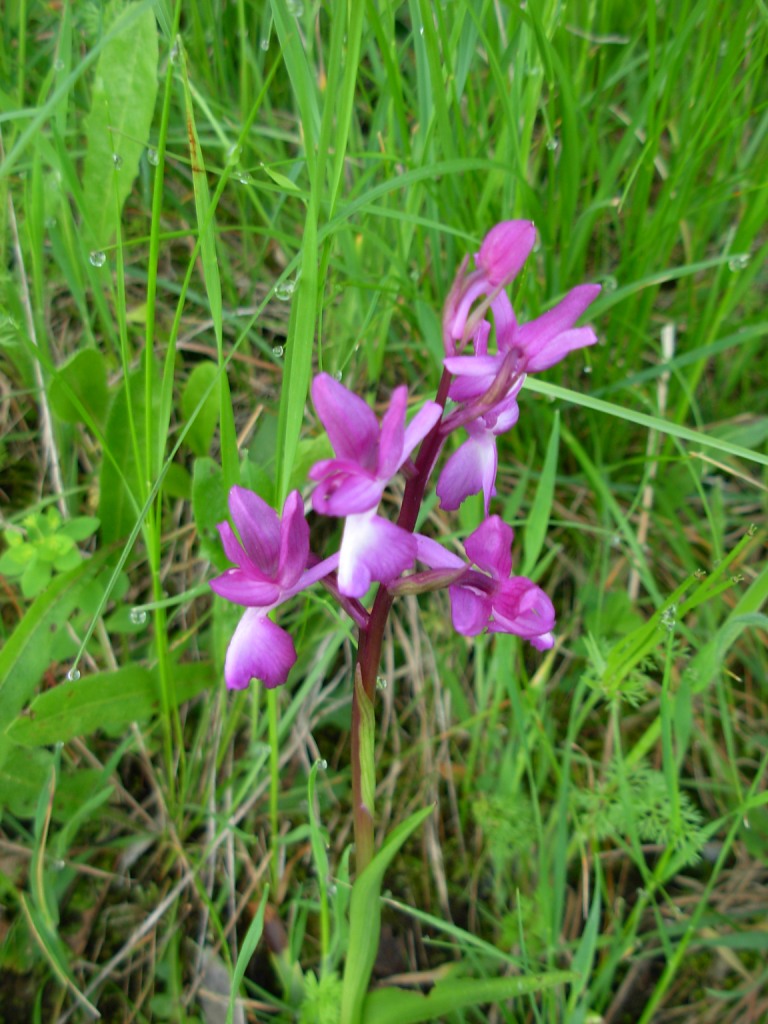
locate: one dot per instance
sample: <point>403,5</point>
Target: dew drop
<point>50,223</point>
<point>174,54</point>
<point>331,889</point>
<point>264,44</point>
<point>553,143</point>
<point>337,376</point>
<point>738,578</point>
<point>322,764</point>
<point>58,64</point>
<point>752,529</point>
<point>421,30</point>
<point>73,675</point>
<point>587,369</point>
<point>284,291</point>
<point>138,616</point>
<point>610,283</point>
<point>98,258</point>
<point>243,177</point>
<point>700,574</point>
<point>739,262</point>
<point>153,157</point>
<point>277,351</point>
<point>295,7</point>
<point>117,160</point>
<point>381,683</point>
<point>59,864</point>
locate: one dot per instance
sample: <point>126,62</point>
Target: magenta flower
<point>271,558</point>
<point>540,344</point>
<point>504,250</point>
<point>352,484</point>
<point>472,467</point>
<point>487,597</point>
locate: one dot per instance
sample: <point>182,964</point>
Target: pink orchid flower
<point>352,484</point>
<point>271,558</point>
<point>488,597</point>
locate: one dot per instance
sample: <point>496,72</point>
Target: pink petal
<point>489,547</point>
<point>471,469</point>
<point>372,549</point>
<point>294,541</point>
<point>352,427</point>
<point>470,610</point>
<point>346,494</point>
<point>435,555</point>
<point>258,650</point>
<point>473,375</point>
<point>522,608</point>
<point>419,427</point>
<point>536,333</point>
<point>240,587</point>
<point>259,528</point>
<point>553,351</point>
<point>505,249</point>
<point>392,435</point>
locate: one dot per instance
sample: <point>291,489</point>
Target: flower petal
<point>392,434</point>
<point>553,351</point>
<point>470,610</point>
<point>240,587</point>
<point>344,493</point>
<point>536,333</point>
<point>472,468</point>
<point>489,547</point>
<point>421,424</point>
<point>294,541</point>
<point>435,555</point>
<point>505,249</point>
<point>351,425</point>
<point>372,549</point>
<point>522,608</point>
<point>259,527</point>
<point>258,650</point>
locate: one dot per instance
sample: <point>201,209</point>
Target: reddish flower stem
<point>372,637</point>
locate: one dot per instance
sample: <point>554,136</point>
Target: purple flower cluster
<point>273,556</point>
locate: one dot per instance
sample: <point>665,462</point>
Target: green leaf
<point>117,127</point>
<point>209,505</point>
<point>80,384</point>
<point>122,483</point>
<point>248,948</point>
<point>105,700</point>
<point>26,654</point>
<point>199,392</point>
<point>398,1006</point>
<point>365,920</point>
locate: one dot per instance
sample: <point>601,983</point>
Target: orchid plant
<point>478,393</point>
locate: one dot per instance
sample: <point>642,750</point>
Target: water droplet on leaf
<point>610,284</point>
<point>736,263</point>
<point>284,291</point>
<point>117,160</point>
<point>322,764</point>
<point>381,683</point>
<point>277,351</point>
<point>294,7</point>
<point>553,143</point>
<point>153,157</point>
<point>138,616</point>
<point>73,675</point>
<point>98,258</point>
<point>264,44</point>
<point>337,376</point>
<point>58,64</point>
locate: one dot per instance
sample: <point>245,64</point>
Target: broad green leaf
<point>105,700</point>
<point>117,126</point>
<point>199,392</point>
<point>398,1006</point>
<point>209,505</point>
<point>122,493</point>
<point>365,920</point>
<point>27,653</point>
<point>80,381</point>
